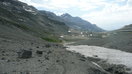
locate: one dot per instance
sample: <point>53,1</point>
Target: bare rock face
<point>25,54</point>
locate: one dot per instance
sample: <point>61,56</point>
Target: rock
<point>82,59</point>
<point>46,57</point>
<point>3,58</point>
<point>37,47</point>
<point>30,49</point>
<point>39,53</point>
<point>47,45</point>
<point>49,52</point>
<point>25,54</point>
<point>64,47</point>
<point>28,72</point>
<point>4,73</point>
<point>72,62</point>
<point>8,61</point>
<point>57,60</point>
<point>39,60</point>
<point>31,43</point>
<point>95,55</point>
<point>3,51</point>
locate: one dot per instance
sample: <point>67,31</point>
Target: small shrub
<point>51,39</point>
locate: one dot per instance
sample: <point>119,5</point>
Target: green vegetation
<point>49,39</point>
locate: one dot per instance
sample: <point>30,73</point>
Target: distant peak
<point>66,15</point>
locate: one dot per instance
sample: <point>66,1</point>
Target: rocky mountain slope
<point>26,44</point>
<point>80,24</point>
<point>73,22</point>
<point>29,20</point>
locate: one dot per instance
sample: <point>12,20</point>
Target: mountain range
<point>80,24</point>
<point>76,23</point>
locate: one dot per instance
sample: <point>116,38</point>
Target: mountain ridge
<point>79,23</point>
<point>74,22</point>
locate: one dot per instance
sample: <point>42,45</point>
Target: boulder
<point>25,54</point>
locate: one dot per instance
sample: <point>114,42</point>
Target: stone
<point>25,54</point>
<point>47,45</point>
<point>39,53</point>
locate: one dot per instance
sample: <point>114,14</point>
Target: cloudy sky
<point>107,14</point>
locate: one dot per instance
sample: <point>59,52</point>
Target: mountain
<point>30,43</point>
<point>79,24</point>
<point>73,22</point>
<point>28,19</point>
<point>126,28</point>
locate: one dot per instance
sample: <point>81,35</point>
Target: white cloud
<point>59,4</point>
<point>119,0</point>
<point>112,16</point>
<point>129,2</point>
